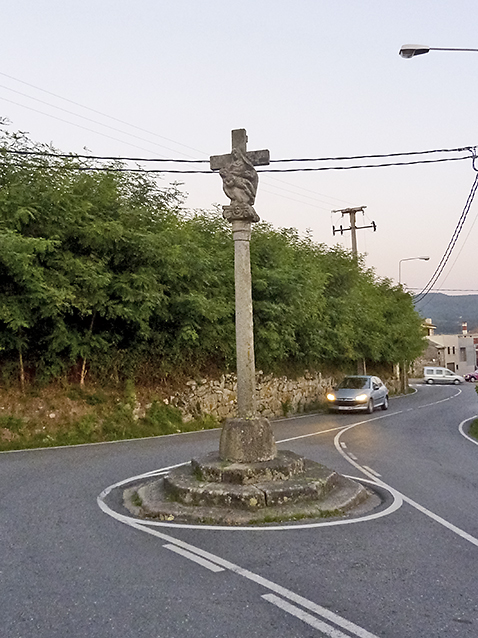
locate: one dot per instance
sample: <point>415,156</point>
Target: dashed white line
<point>245,573</point>
<point>194,557</point>
<point>372,471</point>
<point>420,508</point>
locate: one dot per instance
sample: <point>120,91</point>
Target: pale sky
<point>309,78</point>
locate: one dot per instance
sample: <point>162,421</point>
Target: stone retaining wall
<point>276,396</point>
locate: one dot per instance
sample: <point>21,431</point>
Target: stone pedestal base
<point>247,441</point>
<point>212,491</point>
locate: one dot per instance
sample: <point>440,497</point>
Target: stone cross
<point>239,176</point>
<point>247,438</point>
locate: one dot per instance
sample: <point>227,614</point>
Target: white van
<point>442,375</point>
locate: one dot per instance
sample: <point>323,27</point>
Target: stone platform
<point>213,491</point>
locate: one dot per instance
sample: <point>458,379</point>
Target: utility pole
<point>352,212</point>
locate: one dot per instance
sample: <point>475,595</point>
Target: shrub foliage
<point>106,272</point>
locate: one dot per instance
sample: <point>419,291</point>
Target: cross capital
<point>239,177</point>
<point>239,143</point>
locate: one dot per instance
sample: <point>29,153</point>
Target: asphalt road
<point>71,566</point>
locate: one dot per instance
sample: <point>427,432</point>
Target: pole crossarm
<point>352,212</point>
<point>342,230</point>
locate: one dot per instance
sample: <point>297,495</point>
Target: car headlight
<point>331,397</point>
<point>361,397</point>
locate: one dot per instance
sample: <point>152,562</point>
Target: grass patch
<point>473,431</point>
<point>12,423</point>
<point>76,416</point>
<point>299,516</point>
<point>136,499</point>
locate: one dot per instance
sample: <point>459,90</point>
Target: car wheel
<point>456,381</point>
<point>385,403</point>
<point>370,406</point>
<point>430,381</point>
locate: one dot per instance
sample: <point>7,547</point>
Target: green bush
<point>12,423</point>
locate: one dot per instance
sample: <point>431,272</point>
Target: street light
<point>407,259</point>
<point>411,50</point>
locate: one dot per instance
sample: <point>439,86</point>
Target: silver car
<point>359,392</point>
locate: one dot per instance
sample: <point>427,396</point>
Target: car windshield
<point>354,383</point>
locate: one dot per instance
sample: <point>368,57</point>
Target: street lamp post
<point>407,259</point>
<point>411,50</point>
<point>403,365</point>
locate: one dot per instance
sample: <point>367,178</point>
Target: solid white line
<point>129,520</point>
<point>420,508</point>
<point>194,557</point>
<point>442,521</point>
<point>427,405</point>
<point>259,580</point>
<point>305,436</point>
<point>107,490</point>
<point>462,432</point>
<point>75,445</point>
<point>328,630</point>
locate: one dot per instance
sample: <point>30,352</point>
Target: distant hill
<point>447,312</point>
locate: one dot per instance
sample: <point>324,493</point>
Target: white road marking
<point>397,502</point>
<point>305,436</point>
<point>420,508</point>
<point>194,557</point>
<point>344,445</point>
<point>427,405</point>
<point>367,467</point>
<point>352,456</point>
<point>259,580</point>
<point>328,630</point>
<point>462,432</point>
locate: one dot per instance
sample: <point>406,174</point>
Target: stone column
<point>246,375</point>
<point>247,438</point>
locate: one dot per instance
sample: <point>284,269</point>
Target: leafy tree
<point>104,271</point>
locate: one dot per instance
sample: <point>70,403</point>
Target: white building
<point>458,353</point>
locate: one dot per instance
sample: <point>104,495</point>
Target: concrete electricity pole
<point>351,212</point>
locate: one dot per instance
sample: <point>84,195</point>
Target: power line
<point>449,249</point>
<point>88,108</point>
<point>345,168</point>
<point>104,157</point>
<point>83,117</point>
<point>354,157</point>
<point>85,128</point>
<point>318,159</point>
<point>432,290</point>
<point>270,170</point>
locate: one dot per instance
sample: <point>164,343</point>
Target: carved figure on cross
<point>239,177</point>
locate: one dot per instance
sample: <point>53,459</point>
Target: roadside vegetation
<point>69,416</point>
<point>106,280</point>
<point>473,431</point>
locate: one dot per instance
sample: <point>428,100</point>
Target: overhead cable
<point>267,170</point>
<point>449,249</point>
<point>304,159</point>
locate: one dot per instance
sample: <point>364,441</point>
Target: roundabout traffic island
<point>231,490</point>
<point>248,482</point>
